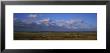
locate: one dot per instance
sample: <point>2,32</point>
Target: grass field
<point>55,36</point>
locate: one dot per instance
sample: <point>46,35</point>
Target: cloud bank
<point>46,23</point>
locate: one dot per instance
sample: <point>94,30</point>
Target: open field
<point>55,36</point>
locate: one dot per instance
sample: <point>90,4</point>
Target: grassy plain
<point>55,36</point>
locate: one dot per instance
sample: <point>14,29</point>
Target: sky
<point>87,17</point>
<point>60,19</point>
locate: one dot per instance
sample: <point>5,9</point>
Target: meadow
<point>55,36</point>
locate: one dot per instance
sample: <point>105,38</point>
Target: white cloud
<point>74,24</point>
<point>30,18</point>
<point>44,21</point>
<point>70,24</point>
<point>33,15</point>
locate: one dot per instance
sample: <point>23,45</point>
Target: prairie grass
<point>55,36</point>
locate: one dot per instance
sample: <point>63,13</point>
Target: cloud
<point>30,18</point>
<point>67,23</point>
<point>43,21</point>
<point>72,24</point>
<point>32,15</point>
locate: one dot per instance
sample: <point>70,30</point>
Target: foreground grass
<point>55,36</point>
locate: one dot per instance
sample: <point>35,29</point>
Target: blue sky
<point>89,19</point>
